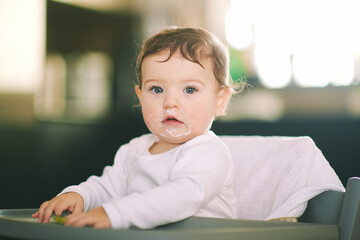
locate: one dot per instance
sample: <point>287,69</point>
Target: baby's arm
<point>201,172</point>
<point>68,201</point>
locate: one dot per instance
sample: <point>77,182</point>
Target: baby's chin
<point>180,139</point>
<point>174,139</point>
<point>171,132</point>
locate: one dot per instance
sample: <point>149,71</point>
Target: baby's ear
<point>138,91</point>
<point>223,99</point>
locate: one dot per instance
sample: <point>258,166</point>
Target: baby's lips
<point>170,118</point>
<point>171,121</point>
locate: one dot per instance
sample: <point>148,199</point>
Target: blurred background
<point>67,77</point>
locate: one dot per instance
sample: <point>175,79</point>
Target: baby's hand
<point>68,201</point>
<point>96,217</point>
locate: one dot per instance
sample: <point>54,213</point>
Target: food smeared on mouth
<point>174,127</point>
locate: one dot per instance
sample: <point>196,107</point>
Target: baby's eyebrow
<point>194,80</point>
<point>151,81</point>
<point>186,81</point>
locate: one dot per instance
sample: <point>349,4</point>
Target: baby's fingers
<point>35,215</point>
<point>77,208</point>
<point>85,219</point>
<point>46,210</point>
<point>78,220</point>
<point>60,208</point>
<point>100,225</point>
<point>40,213</point>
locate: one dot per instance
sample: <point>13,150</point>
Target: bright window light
<point>323,51</point>
<point>321,36</point>
<point>273,68</point>
<point>238,30</point>
<point>272,57</point>
<point>313,69</point>
<point>310,70</point>
<point>22,44</point>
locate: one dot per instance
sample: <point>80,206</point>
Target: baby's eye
<point>190,90</point>
<point>156,89</point>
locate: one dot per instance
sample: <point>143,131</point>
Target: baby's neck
<point>161,146</point>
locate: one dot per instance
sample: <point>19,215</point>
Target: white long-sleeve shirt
<point>146,190</point>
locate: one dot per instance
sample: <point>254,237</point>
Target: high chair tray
<point>18,224</point>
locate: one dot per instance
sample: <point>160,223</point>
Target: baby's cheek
<point>150,120</point>
<point>197,118</point>
<point>201,112</point>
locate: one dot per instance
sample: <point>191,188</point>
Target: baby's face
<point>179,98</point>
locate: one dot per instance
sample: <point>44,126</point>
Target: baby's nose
<point>171,101</point>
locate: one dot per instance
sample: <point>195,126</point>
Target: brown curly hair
<point>194,45</point>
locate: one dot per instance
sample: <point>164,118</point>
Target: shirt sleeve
<point>112,184</point>
<point>200,173</point>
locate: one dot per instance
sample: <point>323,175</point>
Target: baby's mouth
<point>172,121</point>
<point>175,127</point>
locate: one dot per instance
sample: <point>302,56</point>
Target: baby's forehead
<point>165,55</point>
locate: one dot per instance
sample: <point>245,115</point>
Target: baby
<point>181,168</point>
